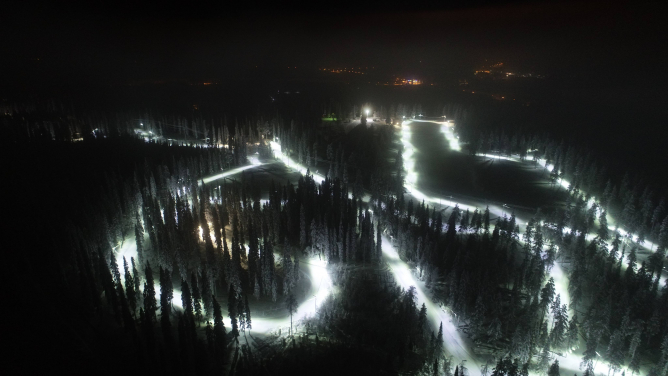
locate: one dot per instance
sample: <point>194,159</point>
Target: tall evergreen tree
<point>219,333</point>
<point>232,312</point>
<point>291,306</point>
<point>165,304</point>
<point>197,297</point>
<point>150,302</point>
<point>554,369</point>
<point>130,287</point>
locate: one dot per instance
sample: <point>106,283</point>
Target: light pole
<point>367,113</point>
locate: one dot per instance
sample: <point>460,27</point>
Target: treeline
<point>54,121</point>
<point>637,204</point>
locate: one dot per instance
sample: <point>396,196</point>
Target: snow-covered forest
<point>132,247</point>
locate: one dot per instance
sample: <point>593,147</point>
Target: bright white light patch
<point>276,148</point>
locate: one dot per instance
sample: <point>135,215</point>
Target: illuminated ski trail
<point>254,163</point>
<point>453,342</point>
<point>276,148</point>
<point>568,361</point>
<point>455,345</point>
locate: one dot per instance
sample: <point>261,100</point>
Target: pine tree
<point>634,353</point>
<point>113,265</point>
<point>615,352</point>
<point>439,340</point>
<point>554,369</point>
<point>544,359</point>
<point>150,302</point>
<point>241,312</point>
<point>572,334</point>
<point>630,272</point>
<point>447,366</point>
<point>248,315</point>
<point>560,326</point>
<point>590,350</point>
<point>478,317</point>
<point>603,232</point>
<point>130,288</point>
<point>197,297</point>
<point>302,228</point>
<point>139,239</point>
<point>186,300</point>
<point>296,276</point>
<point>219,333</point>
<point>288,277</point>
<point>232,312</point>
<point>547,295</point>
<point>165,303</point>
<point>206,293</point>
<point>291,306</point>
<point>135,279</point>
<point>422,320</point>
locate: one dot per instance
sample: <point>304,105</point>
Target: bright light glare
<point>276,148</point>
<point>254,163</point>
<point>321,287</point>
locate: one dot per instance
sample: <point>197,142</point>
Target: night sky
<point>603,52</point>
<point>126,41</point>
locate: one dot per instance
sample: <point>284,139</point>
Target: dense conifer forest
<point>211,256</point>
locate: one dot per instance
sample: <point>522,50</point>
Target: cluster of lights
<point>344,70</point>
<point>403,81</point>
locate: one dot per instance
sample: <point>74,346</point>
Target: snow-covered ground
<point>459,349</point>
<point>454,343</point>
<point>321,283</point>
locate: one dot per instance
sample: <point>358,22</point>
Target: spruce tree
<point>615,353</point>
<point>554,369</point>
<point>291,306</point>
<point>165,305</point>
<point>130,288</point>
<point>186,300</point>
<point>232,312</point>
<point>422,320</point>
<point>439,340</point>
<point>135,279</point>
<point>219,333</point>
<point>150,302</point>
<point>197,297</point>
<point>248,315</point>
<point>206,294</point>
